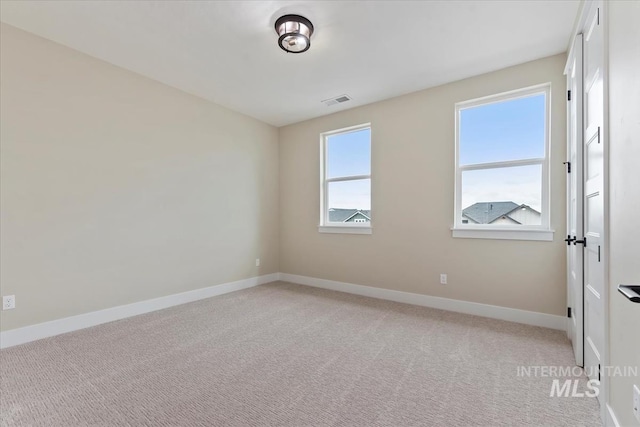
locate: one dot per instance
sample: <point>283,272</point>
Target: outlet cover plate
<point>9,302</point>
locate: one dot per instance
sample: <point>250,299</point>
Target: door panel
<point>594,100</point>
<point>575,200</point>
<point>594,159</point>
<point>593,198</point>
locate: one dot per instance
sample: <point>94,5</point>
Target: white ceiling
<point>227,52</point>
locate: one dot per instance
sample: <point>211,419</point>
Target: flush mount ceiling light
<point>294,33</point>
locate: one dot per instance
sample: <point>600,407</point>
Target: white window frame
<point>337,227</point>
<point>510,232</point>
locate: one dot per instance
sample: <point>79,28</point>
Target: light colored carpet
<point>287,355</point>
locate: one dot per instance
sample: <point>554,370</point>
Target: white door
<point>574,199</point>
<point>593,152</point>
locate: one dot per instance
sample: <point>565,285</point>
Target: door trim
<point>604,21</point>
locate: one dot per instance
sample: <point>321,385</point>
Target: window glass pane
<point>349,201</point>
<point>507,130</point>
<point>502,196</point>
<point>349,154</point>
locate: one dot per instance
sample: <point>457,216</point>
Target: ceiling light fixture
<point>294,33</point>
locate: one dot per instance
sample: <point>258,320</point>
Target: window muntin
<point>346,177</point>
<point>502,161</point>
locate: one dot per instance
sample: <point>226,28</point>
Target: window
<point>345,189</point>
<point>502,166</point>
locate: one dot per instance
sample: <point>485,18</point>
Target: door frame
<point>604,17</point>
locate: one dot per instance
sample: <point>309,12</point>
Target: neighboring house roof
<point>343,215</point>
<point>359,214</point>
<point>488,212</point>
<point>509,218</point>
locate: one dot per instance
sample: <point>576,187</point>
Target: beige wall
<point>117,189</point>
<point>624,175</point>
<point>412,202</point>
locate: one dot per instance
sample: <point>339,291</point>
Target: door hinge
<point>582,242</point>
<point>598,253</point>
<point>568,166</point>
<point>569,312</point>
<point>568,95</point>
<point>598,15</point>
<point>598,372</point>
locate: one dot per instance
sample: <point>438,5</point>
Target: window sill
<point>339,229</point>
<point>504,234</point>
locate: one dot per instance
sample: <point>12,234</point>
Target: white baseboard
<point>484,310</point>
<point>81,321</point>
<point>611,420</point>
<point>69,324</point>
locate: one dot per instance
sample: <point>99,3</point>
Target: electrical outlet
<point>636,402</point>
<point>9,302</point>
<point>257,262</point>
<point>443,279</point>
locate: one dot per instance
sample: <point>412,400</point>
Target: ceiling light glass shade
<point>294,33</point>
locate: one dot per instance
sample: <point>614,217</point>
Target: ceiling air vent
<point>336,100</point>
